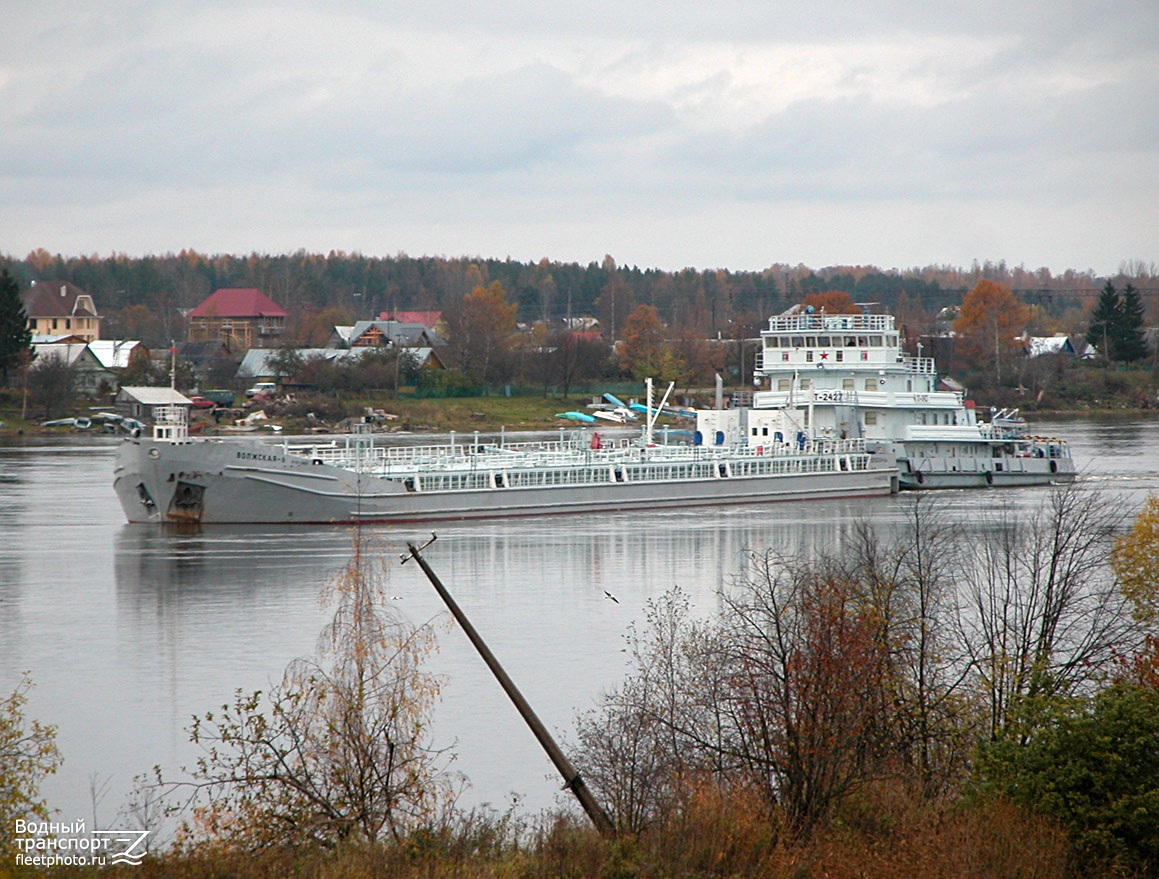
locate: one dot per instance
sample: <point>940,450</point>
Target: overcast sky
<point>682,133</point>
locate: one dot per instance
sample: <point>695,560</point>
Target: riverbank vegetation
<point>967,702</point>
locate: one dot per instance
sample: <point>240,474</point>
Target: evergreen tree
<point>1105,320</point>
<point>1129,342</point>
<point>15,337</point>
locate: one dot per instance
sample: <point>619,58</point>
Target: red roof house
<point>241,317</point>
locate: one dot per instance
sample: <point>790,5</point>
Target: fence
<point>619,389</point>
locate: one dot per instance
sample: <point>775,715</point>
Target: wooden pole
<point>571,777</point>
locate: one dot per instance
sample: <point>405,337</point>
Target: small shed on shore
<point>139,402</point>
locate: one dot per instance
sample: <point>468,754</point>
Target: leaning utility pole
<point>571,777</point>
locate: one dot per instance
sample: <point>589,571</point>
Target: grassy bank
<point>479,413</point>
<point>713,837</point>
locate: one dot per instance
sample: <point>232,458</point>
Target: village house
<point>262,364</point>
<point>241,318</point>
<point>432,320</point>
<point>1060,344</point>
<point>119,354</point>
<point>385,333</point>
<point>57,307</point>
<point>89,375</point>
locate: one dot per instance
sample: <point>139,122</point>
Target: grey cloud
<point>576,109</point>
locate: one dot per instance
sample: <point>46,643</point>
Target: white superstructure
<point>845,376</point>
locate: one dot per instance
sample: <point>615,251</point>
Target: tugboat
<point>845,376</point>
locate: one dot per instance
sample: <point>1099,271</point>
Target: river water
<point>128,631</point>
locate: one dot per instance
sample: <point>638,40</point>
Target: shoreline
<point>32,429</point>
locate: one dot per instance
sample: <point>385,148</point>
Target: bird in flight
<point>609,595</point>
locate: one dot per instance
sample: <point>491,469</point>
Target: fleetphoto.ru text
<point>71,844</point>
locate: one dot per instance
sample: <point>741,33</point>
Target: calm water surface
<point>128,631</point>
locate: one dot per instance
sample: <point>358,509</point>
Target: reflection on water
<point>130,630</point>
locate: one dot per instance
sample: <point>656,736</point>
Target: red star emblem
<point>824,355</point>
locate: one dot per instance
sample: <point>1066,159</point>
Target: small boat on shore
<point>79,423</point>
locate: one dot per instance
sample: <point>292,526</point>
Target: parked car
<point>222,397</point>
<point>202,403</point>
<point>266,389</point>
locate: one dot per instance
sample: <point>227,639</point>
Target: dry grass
<point>712,834</point>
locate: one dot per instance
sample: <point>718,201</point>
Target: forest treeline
<point>354,286</point>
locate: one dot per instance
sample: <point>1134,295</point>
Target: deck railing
<point>358,454</point>
<point>830,322</point>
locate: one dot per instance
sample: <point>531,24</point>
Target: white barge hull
<point>236,482</point>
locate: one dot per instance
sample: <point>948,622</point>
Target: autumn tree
<point>615,302</point>
<point>645,352</point>
<point>286,363</point>
<point>339,750</point>
<point>575,357</point>
<point>313,328</point>
<point>990,325</point>
<point>480,328</point>
<point>701,360</point>
<point>51,385</point>
<point>136,322</point>
<point>652,732</point>
<point>809,679</point>
<point>909,583</point>
<point>782,694</point>
<point>886,662</point>
<point>913,321</point>
<point>1136,562</point>
<point>28,754</point>
<point>832,302</point>
<point>545,289</point>
<point>744,333</point>
<point>1042,617</point>
<point>15,336</point>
